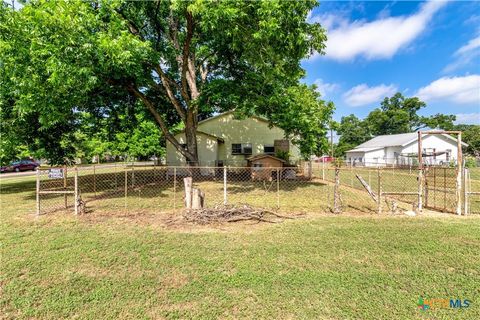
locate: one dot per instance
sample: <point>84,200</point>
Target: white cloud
<point>459,90</point>
<point>363,94</point>
<point>468,118</point>
<point>324,88</point>
<point>466,54</point>
<point>378,39</point>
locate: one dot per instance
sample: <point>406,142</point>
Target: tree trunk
<point>191,137</point>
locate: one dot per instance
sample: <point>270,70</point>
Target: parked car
<point>22,165</point>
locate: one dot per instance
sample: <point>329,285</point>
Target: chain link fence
<point>472,191</point>
<point>309,187</point>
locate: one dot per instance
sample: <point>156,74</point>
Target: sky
<point>374,49</point>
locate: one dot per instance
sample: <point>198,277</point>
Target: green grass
<point>322,266</point>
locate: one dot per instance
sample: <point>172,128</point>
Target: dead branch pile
<point>228,213</point>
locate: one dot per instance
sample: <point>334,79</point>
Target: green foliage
<point>470,162</point>
<point>471,136</point>
<point>304,117</point>
<point>181,59</point>
<point>284,155</point>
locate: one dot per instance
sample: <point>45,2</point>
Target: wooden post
<point>38,192</point>
<point>225,185</point>
<point>198,198</point>
<point>94,182</point>
<point>188,192</point>
<point>75,178</point>
<point>380,198</point>
<point>65,184</point>
<point>458,193</point>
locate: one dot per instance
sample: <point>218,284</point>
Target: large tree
<point>181,59</point>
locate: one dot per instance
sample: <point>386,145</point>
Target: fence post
<point>75,201</point>
<point>94,182</point>
<point>420,189</point>
<point>380,198</point>
<point>225,185</point>
<point>278,189</point>
<point>174,187</point>
<point>38,192</point>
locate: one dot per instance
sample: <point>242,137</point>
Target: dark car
<point>22,165</point>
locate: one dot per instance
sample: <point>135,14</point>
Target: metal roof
<point>393,140</point>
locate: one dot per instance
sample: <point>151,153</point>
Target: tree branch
<point>166,84</point>
<point>158,118</point>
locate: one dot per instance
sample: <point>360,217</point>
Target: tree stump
<point>194,198</point>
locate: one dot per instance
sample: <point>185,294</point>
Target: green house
<point>224,140</point>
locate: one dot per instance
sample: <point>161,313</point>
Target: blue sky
<point>375,48</point>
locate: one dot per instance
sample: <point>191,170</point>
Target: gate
<point>440,188</point>
<point>56,190</point>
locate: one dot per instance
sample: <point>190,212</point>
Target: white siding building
<point>402,149</point>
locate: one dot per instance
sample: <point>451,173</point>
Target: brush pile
<point>227,213</point>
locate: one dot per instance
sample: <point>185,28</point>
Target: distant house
<point>402,149</point>
<point>224,140</point>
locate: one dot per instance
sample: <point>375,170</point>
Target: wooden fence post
<point>38,192</point>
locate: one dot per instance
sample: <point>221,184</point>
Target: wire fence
<point>309,187</point>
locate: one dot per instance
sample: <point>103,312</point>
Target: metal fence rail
<point>122,187</point>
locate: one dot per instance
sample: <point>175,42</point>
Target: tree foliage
<point>181,59</point>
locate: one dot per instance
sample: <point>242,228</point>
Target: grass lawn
<point>321,266</point>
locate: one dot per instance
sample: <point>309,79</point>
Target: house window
<point>241,148</point>
<point>269,149</point>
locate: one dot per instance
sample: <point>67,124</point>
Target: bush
<point>470,162</point>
